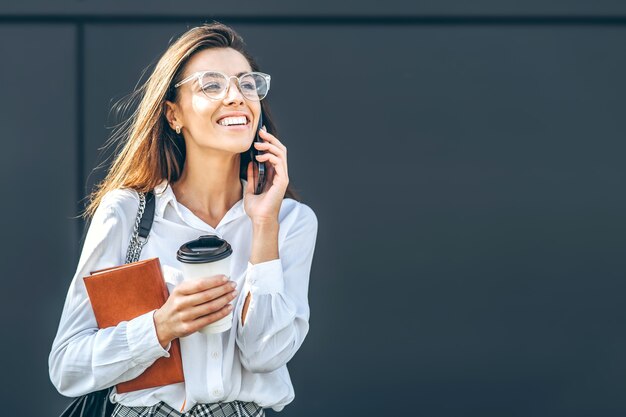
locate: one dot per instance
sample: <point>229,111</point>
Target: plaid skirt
<point>230,409</point>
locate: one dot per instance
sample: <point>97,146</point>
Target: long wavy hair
<point>148,150</point>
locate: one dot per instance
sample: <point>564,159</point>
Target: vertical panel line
<point>80,122</point>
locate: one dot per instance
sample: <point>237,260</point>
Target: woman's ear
<point>171,114</point>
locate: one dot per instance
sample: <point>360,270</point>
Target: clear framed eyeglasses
<point>214,84</point>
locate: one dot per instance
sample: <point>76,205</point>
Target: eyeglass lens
<point>252,86</point>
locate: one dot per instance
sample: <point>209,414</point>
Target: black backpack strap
<point>148,215</point>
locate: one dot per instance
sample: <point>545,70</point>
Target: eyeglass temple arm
<point>191,77</point>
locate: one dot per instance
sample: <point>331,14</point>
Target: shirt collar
<point>165,195</point>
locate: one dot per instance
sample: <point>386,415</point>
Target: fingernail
<point>264,128</point>
<point>235,293</point>
<point>224,278</point>
<point>233,284</point>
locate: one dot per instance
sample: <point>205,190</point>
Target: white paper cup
<point>202,258</point>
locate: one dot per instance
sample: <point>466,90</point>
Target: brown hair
<point>148,150</point>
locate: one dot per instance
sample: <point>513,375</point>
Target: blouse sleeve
<point>277,319</point>
<point>84,358</point>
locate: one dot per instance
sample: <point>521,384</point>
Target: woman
<point>189,141</point>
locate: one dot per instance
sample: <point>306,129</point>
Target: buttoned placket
<point>214,364</point>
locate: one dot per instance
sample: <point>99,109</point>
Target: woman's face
<point>199,115</point>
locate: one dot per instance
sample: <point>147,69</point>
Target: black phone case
<point>259,167</point>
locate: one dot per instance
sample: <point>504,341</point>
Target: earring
<point>178,130</point>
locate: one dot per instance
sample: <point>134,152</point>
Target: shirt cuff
<point>265,277</point>
<point>143,341</point>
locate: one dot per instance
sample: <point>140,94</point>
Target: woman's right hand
<point>192,305</point>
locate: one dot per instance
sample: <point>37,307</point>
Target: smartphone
<point>259,167</point>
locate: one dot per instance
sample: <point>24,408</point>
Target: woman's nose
<point>233,94</point>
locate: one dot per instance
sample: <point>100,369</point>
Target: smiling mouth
<point>234,121</point>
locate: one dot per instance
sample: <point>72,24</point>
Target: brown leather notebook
<point>127,291</point>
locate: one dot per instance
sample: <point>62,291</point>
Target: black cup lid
<point>207,248</point>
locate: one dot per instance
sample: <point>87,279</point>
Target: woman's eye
<point>211,87</point>
<point>248,86</point>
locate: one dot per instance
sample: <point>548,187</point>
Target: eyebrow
<point>236,75</point>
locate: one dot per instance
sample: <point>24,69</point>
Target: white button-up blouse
<point>245,363</point>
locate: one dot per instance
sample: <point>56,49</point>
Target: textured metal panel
<point>39,243</point>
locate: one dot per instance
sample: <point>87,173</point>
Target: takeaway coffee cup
<point>202,258</point>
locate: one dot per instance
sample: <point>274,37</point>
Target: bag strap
<point>148,216</point>
<point>143,224</point>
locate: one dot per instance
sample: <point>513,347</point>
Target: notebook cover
<point>127,291</point>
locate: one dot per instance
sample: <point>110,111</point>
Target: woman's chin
<point>234,147</point>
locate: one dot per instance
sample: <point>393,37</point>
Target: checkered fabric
<point>231,409</point>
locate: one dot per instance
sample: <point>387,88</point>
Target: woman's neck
<point>209,185</point>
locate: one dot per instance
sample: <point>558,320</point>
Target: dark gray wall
<point>38,186</point>
<point>327,8</point>
<point>467,176</point>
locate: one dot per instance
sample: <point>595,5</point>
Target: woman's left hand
<point>265,206</point>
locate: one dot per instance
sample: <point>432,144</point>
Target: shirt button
<point>217,392</point>
<point>215,355</point>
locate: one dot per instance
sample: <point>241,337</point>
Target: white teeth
<point>229,121</point>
